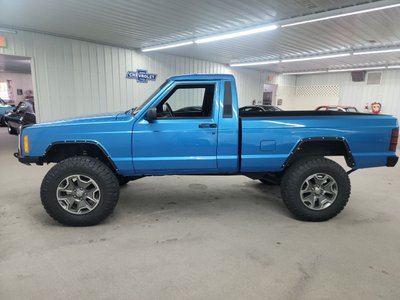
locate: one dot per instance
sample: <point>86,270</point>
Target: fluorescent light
<point>167,46</point>
<point>304,73</point>
<point>357,69</point>
<point>6,30</point>
<point>393,67</point>
<point>268,62</point>
<point>235,34</point>
<point>259,63</point>
<point>377,51</point>
<point>315,57</point>
<point>342,15</point>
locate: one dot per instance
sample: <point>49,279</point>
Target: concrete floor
<point>199,238</point>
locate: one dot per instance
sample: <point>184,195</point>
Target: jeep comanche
<point>191,125</point>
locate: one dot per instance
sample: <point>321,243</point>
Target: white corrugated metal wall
<point>359,93</point>
<point>286,92</point>
<point>73,77</point>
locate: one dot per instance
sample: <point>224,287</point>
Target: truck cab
<point>180,140</point>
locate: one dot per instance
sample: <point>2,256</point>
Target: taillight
<point>394,139</point>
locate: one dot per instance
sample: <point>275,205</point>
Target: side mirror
<point>151,114</point>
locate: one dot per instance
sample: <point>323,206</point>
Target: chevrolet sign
<point>141,76</point>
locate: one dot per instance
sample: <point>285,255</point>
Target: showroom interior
<point>192,235</point>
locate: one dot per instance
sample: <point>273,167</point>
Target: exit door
<point>269,94</point>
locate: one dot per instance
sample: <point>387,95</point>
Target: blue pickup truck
<point>191,125</point>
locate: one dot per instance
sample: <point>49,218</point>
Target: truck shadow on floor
<point>140,198</point>
<point>143,201</point>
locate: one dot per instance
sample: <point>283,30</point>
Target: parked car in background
<point>23,114</point>
<point>7,102</point>
<point>258,108</point>
<point>337,108</point>
<point>4,108</point>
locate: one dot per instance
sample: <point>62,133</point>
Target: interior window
<point>3,90</point>
<point>188,101</point>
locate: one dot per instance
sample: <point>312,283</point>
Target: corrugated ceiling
<point>137,23</point>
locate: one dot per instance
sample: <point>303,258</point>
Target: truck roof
<point>201,77</point>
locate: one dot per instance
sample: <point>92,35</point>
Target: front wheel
<point>315,189</point>
<point>79,191</point>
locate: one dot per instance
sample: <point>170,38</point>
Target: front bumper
<point>38,160</point>
<point>391,161</point>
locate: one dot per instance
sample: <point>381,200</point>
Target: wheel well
<point>321,147</point>
<point>60,151</point>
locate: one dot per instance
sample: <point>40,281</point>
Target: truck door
<point>183,138</point>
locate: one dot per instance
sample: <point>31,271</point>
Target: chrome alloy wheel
<point>78,194</point>
<point>318,191</point>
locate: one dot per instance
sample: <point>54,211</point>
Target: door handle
<point>206,125</point>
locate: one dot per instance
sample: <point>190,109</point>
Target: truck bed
<point>302,113</point>
<point>269,138</point>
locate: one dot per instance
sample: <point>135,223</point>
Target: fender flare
<point>81,142</point>
<point>300,144</point>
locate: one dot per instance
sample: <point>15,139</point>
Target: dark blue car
<point>4,108</point>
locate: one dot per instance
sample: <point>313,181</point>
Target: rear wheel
<point>315,189</point>
<point>79,191</point>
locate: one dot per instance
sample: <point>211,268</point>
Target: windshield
<point>137,109</point>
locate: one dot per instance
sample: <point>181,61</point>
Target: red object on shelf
<point>376,107</point>
<point>3,42</point>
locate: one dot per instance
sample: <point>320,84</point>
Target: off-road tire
<point>294,177</point>
<point>99,172</point>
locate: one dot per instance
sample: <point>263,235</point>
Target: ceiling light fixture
<point>6,30</point>
<point>167,46</point>
<point>235,34</point>
<point>268,62</point>
<point>394,67</point>
<point>342,15</point>
<point>304,73</point>
<point>315,57</point>
<point>376,51</point>
<point>259,63</point>
<point>356,69</point>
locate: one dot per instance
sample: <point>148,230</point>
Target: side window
<point>227,100</point>
<point>188,101</point>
